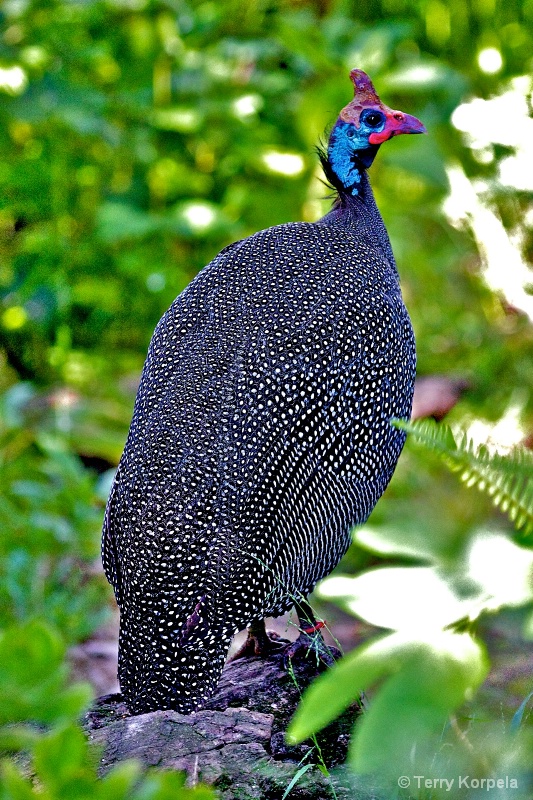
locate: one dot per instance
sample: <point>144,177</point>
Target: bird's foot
<point>310,644</point>
<point>260,642</point>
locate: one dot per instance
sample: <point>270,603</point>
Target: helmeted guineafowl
<point>262,428</point>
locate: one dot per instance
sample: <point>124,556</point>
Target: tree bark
<point>237,742</point>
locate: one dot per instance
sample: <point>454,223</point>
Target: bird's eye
<point>373,119</point>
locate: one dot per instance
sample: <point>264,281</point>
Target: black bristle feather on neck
<point>342,193</point>
<point>332,182</point>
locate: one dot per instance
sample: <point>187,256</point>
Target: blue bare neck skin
<point>349,154</point>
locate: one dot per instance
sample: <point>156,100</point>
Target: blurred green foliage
<point>430,660</point>
<point>138,137</point>
<point>50,519</point>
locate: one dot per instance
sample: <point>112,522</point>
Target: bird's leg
<point>308,623</point>
<point>310,641</point>
<point>259,642</point>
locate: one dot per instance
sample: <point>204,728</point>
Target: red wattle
<point>379,138</point>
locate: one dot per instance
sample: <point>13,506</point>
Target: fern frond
<point>507,479</point>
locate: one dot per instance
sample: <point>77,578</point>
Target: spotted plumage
<point>261,434</point>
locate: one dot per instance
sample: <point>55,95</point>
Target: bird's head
<point>363,125</point>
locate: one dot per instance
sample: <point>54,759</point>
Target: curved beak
<point>397,123</point>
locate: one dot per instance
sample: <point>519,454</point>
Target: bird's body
<point>261,433</point>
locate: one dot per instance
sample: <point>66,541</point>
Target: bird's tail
<point>164,665</point>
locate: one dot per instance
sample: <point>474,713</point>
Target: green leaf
<point>18,737</point>
<point>33,676</point>
<point>76,698</point>
<point>119,782</point>
<point>170,785</point>
<point>405,719</point>
<point>14,785</point>
<point>61,756</point>
<point>332,692</point>
<point>296,778</point>
<point>508,480</point>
